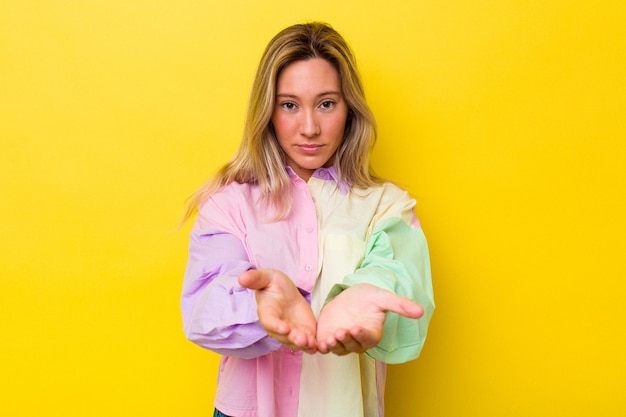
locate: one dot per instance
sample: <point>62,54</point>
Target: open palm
<point>353,321</point>
<point>283,311</point>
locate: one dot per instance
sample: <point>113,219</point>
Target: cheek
<point>281,126</point>
<point>338,126</point>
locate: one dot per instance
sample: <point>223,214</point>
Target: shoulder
<point>226,208</point>
<point>233,193</point>
<point>391,202</point>
<point>392,191</point>
<point>386,192</point>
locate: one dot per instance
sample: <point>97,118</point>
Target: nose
<point>309,125</point>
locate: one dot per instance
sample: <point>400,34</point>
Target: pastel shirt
<point>333,237</point>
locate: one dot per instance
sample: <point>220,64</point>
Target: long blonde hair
<point>260,158</point>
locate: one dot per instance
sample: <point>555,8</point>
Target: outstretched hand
<point>353,321</point>
<point>283,311</point>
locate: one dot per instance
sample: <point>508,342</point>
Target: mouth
<point>309,148</point>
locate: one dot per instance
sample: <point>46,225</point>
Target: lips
<point>309,148</point>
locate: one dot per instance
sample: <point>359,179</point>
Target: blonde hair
<point>260,158</point>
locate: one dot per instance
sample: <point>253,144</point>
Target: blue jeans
<point>218,413</point>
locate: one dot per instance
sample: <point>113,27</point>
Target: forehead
<point>310,74</point>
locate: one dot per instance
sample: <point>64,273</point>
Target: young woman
<point>306,272</point>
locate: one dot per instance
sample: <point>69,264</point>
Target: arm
<point>396,261</point>
<point>218,313</point>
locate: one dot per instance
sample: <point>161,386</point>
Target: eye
<point>327,104</point>
<point>288,105</point>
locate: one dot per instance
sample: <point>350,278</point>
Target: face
<point>309,115</point>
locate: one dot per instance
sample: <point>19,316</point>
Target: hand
<point>353,321</point>
<point>283,311</point>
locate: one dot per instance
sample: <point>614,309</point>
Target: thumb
<point>255,279</point>
<point>401,305</point>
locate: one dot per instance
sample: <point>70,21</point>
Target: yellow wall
<point>505,120</point>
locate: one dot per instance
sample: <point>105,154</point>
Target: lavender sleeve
<point>219,314</point>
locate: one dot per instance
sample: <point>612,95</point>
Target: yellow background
<point>505,119</point>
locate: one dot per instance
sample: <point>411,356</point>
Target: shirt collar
<point>329,174</point>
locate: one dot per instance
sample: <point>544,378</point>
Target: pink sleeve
<point>219,314</point>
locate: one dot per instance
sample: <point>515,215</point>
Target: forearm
<point>396,260</point>
<point>219,314</point>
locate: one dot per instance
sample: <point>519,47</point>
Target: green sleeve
<point>396,259</point>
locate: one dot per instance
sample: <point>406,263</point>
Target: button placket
<point>308,240</point>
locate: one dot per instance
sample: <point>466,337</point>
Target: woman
<point>306,271</point>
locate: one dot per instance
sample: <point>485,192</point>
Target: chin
<point>312,165</point>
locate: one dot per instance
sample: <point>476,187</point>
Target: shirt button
<point>308,267</point>
<point>322,173</point>
<point>309,229</point>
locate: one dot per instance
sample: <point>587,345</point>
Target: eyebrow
<point>325,93</point>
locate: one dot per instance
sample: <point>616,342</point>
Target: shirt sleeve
<point>219,314</point>
<point>396,259</point>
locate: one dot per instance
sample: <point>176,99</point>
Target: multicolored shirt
<point>334,236</point>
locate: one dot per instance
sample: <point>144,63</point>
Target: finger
<point>325,342</point>
<point>364,338</point>
<point>281,338</point>
<point>336,343</point>
<point>400,305</point>
<point>311,351</point>
<point>335,348</point>
<point>323,347</point>
<point>255,279</point>
<point>350,343</point>
<point>338,349</point>
<point>309,347</point>
<point>297,340</point>
<point>302,340</point>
